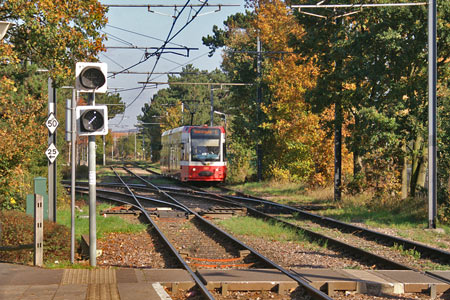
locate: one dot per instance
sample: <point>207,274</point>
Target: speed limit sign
<point>52,123</point>
<point>52,153</point>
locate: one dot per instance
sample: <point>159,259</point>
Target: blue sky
<point>139,27</point>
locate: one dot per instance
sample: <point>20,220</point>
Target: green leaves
<point>55,34</point>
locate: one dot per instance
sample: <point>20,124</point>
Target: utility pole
<point>258,111</point>
<point>432,108</point>
<point>104,151</point>
<point>212,105</point>
<point>338,119</point>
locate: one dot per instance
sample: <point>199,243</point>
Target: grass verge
<point>105,225</point>
<point>250,226</point>
<point>407,218</point>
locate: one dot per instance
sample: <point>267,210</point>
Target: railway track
<point>244,250</point>
<point>203,203</point>
<point>308,219</point>
<point>339,234</point>
<point>210,247</point>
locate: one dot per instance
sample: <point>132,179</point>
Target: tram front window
<point>205,150</point>
<point>205,144</point>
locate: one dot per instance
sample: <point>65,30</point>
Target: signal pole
<point>92,195</point>
<point>92,121</point>
<point>52,190</point>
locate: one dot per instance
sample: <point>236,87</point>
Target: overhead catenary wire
<point>169,38</point>
<point>115,62</point>
<point>146,73</point>
<point>205,4</point>
<point>143,35</point>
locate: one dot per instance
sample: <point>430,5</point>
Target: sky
<point>137,27</point>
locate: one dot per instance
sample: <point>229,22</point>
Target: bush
<point>443,214</point>
<point>239,157</point>
<point>18,229</point>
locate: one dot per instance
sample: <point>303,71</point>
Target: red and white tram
<point>194,153</point>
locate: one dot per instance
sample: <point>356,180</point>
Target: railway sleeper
<point>247,280</point>
<point>243,254</point>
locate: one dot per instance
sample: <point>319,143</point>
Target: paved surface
<point>376,281</point>
<point>18,282</point>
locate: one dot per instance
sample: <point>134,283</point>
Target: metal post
<point>143,146</point>
<point>337,139</point>
<point>104,151</point>
<point>212,104</point>
<point>68,122</point>
<point>38,230</point>
<point>432,106</point>
<point>135,146</point>
<point>52,192</point>
<point>337,150</point>
<point>182,113</point>
<point>258,112</point>
<point>73,177</point>
<point>92,197</point>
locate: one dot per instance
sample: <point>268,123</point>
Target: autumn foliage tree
<point>182,104</point>
<point>303,149</point>
<point>295,141</point>
<point>49,35</point>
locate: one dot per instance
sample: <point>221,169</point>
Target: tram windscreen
<point>205,144</point>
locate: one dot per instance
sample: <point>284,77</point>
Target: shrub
<point>18,229</point>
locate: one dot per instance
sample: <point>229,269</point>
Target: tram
<point>194,153</point>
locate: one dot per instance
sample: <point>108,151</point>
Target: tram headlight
<point>194,169</point>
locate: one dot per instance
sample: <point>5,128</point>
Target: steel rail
<point>108,193</point>
<point>16,248</point>
<point>424,250</point>
<point>311,234</point>
<point>197,280</point>
<point>309,288</point>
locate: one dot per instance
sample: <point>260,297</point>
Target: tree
<point>49,35</point>
<point>165,110</point>
<point>375,64</point>
<point>296,146</point>
<point>55,34</point>
<point>303,150</point>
